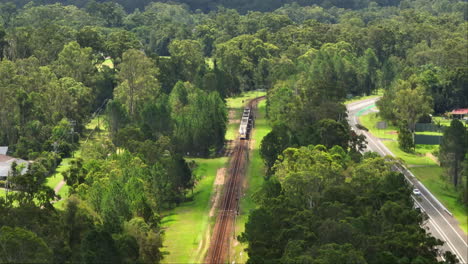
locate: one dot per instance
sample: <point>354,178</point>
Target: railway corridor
<point>228,209</point>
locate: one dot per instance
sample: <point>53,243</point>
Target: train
<point>246,124</point>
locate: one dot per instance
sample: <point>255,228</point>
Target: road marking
<point>365,109</point>
<point>449,243</point>
<point>384,150</point>
<point>439,230</point>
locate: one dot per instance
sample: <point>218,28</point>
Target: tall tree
<point>138,83</point>
<point>187,56</point>
<point>453,148</point>
<point>411,103</point>
<point>22,246</point>
<point>75,62</point>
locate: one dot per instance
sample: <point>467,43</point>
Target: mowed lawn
<point>418,158</point>
<point>254,180</point>
<point>186,225</point>
<point>370,120</point>
<point>238,102</point>
<point>55,179</point>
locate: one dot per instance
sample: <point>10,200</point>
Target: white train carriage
<point>244,128</point>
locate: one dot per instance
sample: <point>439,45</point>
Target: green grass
<point>232,131</point>
<point>370,120</point>
<point>417,159</point>
<point>358,98</point>
<point>109,63</point>
<point>240,101</point>
<point>210,63</point>
<point>255,173</point>
<point>441,120</point>
<point>186,226</point>
<point>447,195</point>
<point>430,133</point>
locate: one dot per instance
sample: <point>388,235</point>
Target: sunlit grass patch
<point>186,225</point>
<point>241,100</point>
<point>431,177</point>
<point>370,122</point>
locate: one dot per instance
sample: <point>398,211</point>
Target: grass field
<point>239,101</point>
<point>431,178</point>
<point>186,225</point>
<point>441,120</point>
<point>254,177</point>
<point>370,120</point>
<point>418,158</point>
<point>53,180</point>
<point>430,133</point>
<point>109,63</point>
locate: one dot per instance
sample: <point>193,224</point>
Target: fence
<point>427,139</point>
<point>423,127</point>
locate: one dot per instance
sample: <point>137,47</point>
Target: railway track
<point>229,207</point>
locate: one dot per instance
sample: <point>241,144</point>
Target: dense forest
<point>240,5</point>
<point>320,207</point>
<point>159,74</point>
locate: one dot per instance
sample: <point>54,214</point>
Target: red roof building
<point>461,111</point>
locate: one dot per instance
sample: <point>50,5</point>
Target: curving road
<point>441,224</point>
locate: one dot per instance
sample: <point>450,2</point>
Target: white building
<point>6,162</point>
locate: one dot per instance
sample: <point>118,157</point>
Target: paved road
<point>441,224</point>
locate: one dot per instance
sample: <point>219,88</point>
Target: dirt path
<point>218,184</point>
<point>59,186</point>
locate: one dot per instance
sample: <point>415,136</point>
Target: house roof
<point>5,164</point>
<point>461,111</point>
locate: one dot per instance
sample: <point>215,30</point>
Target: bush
<point>359,126</point>
<point>426,119</point>
<point>405,140</point>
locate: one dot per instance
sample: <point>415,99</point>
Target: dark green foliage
<point>22,246</point>
<point>331,133</point>
<point>75,175</point>
<point>311,213</point>
<point>111,10</point>
<point>453,148</point>
<point>273,145</point>
<point>173,69</point>
<point>99,247</point>
<point>405,139</point>
<point>116,115</point>
<point>199,119</point>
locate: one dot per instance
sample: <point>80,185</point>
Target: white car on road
<point>416,192</point>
